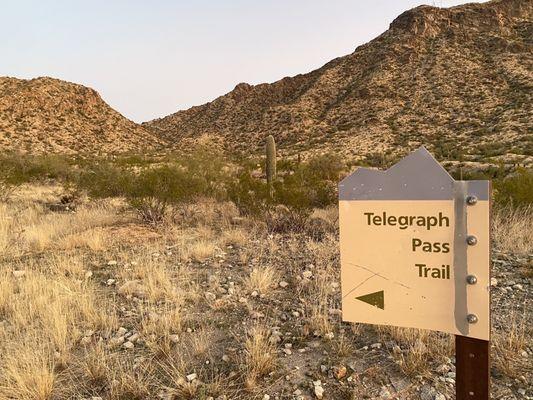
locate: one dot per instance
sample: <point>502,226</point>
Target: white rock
<point>319,390</point>
<point>266,397</point>
<point>19,274</point>
<point>88,274</point>
<point>133,338</point>
<point>111,263</point>
<point>493,282</point>
<point>283,284</point>
<point>128,345</point>
<point>117,341</point>
<point>307,274</point>
<point>110,282</point>
<point>174,338</point>
<point>121,331</point>
<point>191,377</point>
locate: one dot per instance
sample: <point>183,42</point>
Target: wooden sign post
<point>415,252</point>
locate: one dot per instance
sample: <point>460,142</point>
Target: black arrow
<point>376,299</point>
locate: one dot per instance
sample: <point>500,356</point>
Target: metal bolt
<point>471,200</point>
<point>471,318</point>
<point>471,240</point>
<point>471,279</point>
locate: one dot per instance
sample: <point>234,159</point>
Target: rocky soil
<point>207,309</point>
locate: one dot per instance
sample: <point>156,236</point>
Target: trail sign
<point>415,248</point>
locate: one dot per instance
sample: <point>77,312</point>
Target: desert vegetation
<point>192,277</point>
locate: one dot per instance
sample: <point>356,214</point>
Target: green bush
<point>16,169</point>
<point>300,187</point>
<point>516,189</point>
<point>106,180</point>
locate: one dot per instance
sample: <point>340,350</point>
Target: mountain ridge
<point>412,85</point>
<point>48,115</point>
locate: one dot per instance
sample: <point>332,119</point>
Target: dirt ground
<point>95,304</point>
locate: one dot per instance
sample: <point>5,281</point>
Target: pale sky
<point>148,59</point>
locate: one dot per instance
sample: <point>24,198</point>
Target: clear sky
<point>149,58</point>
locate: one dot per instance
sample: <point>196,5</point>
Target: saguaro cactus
<point>270,163</point>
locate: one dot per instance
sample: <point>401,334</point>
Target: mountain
<point>49,115</point>
<point>457,80</point>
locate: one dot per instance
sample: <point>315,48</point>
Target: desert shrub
<point>153,190</point>
<point>248,193</point>
<point>312,184</point>
<point>17,169</point>
<point>282,219</point>
<point>516,189</point>
<point>106,180</point>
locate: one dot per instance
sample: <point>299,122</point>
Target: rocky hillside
<point>50,115</point>
<point>458,80</point>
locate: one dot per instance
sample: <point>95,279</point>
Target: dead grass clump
<point>198,244</point>
<point>283,219</point>
<point>130,381</point>
<point>95,365</point>
<point>322,222</point>
<point>262,279</point>
<point>260,357</point>
<point>234,237</point>
<point>418,348</point>
<point>206,212</point>
<point>510,344</point>
<point>92,239</point>
<point>50,228</point>
<point>6,222</point>
<point>44,317</point>
<point>319,291</point>
<point>27,371</point>
<point>511,229</point>
<point>150,279</point>
<point>343,347</point>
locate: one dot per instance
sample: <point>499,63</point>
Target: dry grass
<point>260,356</point>
<point>47,230</point>
<point>262,280</point>
<point>509,345</point>
<point>44,316</point>
<point>319,291</point>
<point>418,348</point>
<point>60,291</point>
<point>26,225</point>
<point>27,371</point>
<point>511,229</point>
<point>6,223</point>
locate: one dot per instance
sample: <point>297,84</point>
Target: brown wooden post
<point>472,368</point>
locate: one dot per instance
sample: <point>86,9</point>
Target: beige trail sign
<point>415,248</point>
